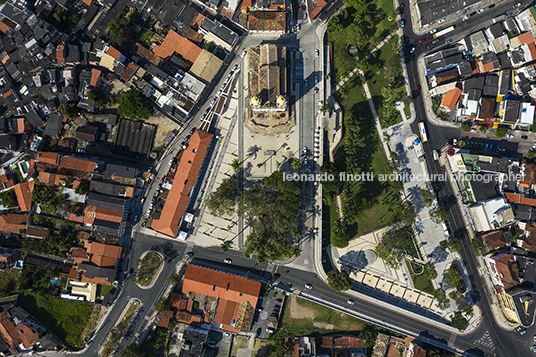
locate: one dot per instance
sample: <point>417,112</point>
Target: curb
<point>157,275</point>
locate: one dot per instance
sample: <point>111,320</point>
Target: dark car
<point>190,254</point>
<point>491,6</point>
<point>277,276</point>
<point>524,137</point>
<point>192,131</point>
<point>418,87</point>
<point>279,301</point>
<point>258,333</point>
<point>277,307</point>
<point>275,314</point>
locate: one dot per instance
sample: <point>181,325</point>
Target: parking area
<point>267,313</point>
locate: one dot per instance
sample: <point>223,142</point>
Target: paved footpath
<point>338,86</point>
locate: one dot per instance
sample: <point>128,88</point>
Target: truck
<point>443,32</point>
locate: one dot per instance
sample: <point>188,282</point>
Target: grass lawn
<point>148,268</point>
<point>311,312</point>
<point>43,221</point>
<point>380,201</point>
<point>381,11</point>
<point>9,282</point>
<point>66,319</point>
<point>389,75</point>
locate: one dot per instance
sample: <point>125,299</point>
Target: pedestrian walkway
<point>354,71</point>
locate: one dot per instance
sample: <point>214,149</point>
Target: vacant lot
<point>66,319</point>
<point>301,313</point>
<point>148,268</point>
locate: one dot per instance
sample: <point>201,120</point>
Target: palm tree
<point>225,246</point>
<point>235,164</point>
<point>296,232</point>
<point>296,251</point>
<point>296,164</point>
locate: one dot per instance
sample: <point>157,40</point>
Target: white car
<point>473,130</point>
<point>235,67</point>
<point>317,53</point>
<point>308,286</point>
<point>433,31</point>
<point>350,302</point>
<point>170,161</point>
<point>228,261</point>
<point>480,11</point>
<point>510,136</point>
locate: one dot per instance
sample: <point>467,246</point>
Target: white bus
<point>443,32</point>
<point>422,130</point>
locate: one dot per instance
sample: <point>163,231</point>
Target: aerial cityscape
<point>226,178</point>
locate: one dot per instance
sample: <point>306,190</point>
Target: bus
<point>443,32</point>
<point>422,130</point>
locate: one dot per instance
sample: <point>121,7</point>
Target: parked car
<point>317,53</point>
<point>412,50</point>
<point>480,11</point>
<point>190,254</point>
<point>435,41</point>
<point>402,23</point>
<point>228,261</point>
<point>449,41</point>
<point>510,135</point>
<point>522,332</point>
<point>144,224</point>
<point>473,130</point>
<point>524,137</point>
<point>258,333</point>
<point>491,6</point>
<point>422,40</point>
<point>277,307</point>
<point>279,301</point>
<point>270,330</point>
<point>418,87</point>
<point>235,67</point>
<point>440,285</point>
<point>192,131</point>
<point>433,31</point>
<point>277,276</point>
<point>142,200</point>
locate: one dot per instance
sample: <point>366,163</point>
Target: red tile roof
<point>164,319</point>
<point>37,232</point>
<point>72,163</point>
<point>14,335</point>
<point>221,285</point>
<point>24,195</point>
<point>525,38</point>
<point>114,53</point>
<point>314,14</point>
<point>105,250</point>
<point>177,43</point>
<point>13,223</point>
<point>508,268</point>
<point>519,198</point>
<point>60,53</point>
<point>451,98</point>
<point>6,181</point>
<point>3,27</point>
<point>73,274</point>
<point>48,157</point>
<point>87,2</point>
<point>129,71</point>
<point>494,239</point>
<point>197,22</point>
<point>185,178</point>
<point>95,74</point>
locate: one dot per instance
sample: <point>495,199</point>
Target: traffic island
<point>114,337</point>
<point>149,267</point>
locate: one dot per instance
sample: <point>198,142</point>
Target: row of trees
<point>271,209</point>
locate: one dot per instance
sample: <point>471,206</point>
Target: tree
<point>133,105</point>
<point>452,245</point>
<point>478,246</point>
<point>428,197</point>
<point>132,350</point>
<point>325,108</point>
<point>162,305</point>
<point>430,271</point>
<point>441,297</point>
<point>483,129</point>
<point>69,110</point>
<point>452,277</point>
<point>394,244</point>
<point>225,246</point>
<point>479,146</point>
<point>466,127</point>
<point>296,164</point>
<point>74,18</point>
<point>296,251</point>
<point>408,214</point>
<point>174,279</point>
<point>83,188</point>
<point>235,164</point>
<point>458,321</point>
<point>339,280</point>
<point>394,155</point>
<point>46,196</point>
<point>531,155</point>
<point>9,198</point>
<point>296,232</point>
<point>210,46</point>
<point>439,214</point>
<point>330,187</point>
<point>339,237</point>
<point>334,25</point>
<point>501,132</point>
<point>387,92</point>
<point>222,202</point>
<point>121,30</point>
<point>61,19</point>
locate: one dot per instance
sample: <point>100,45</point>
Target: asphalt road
<point>506,343</point>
